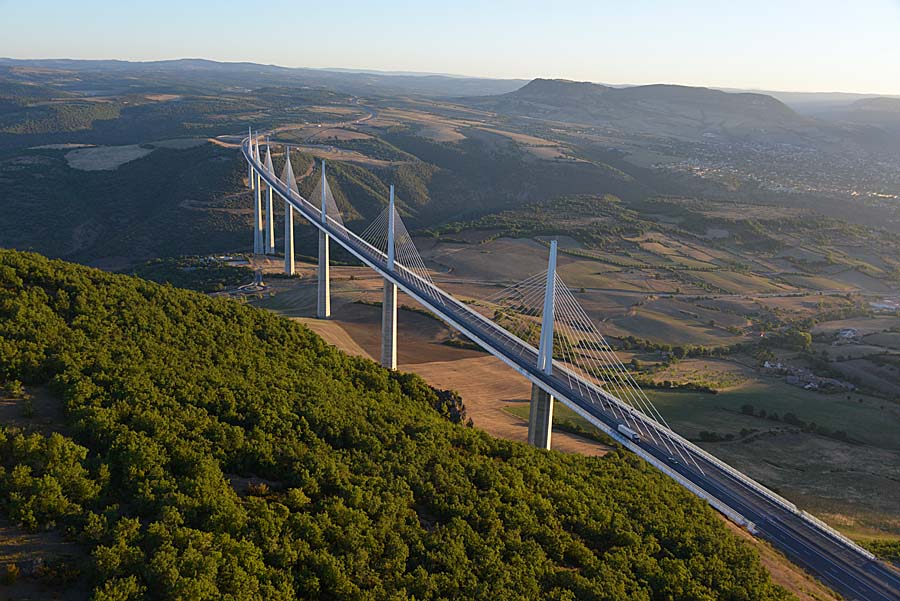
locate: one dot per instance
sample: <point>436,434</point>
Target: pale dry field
<point>333,154</point>
<point>524,139</point>
<point>104,158</point>
<point>548,153</point>
<point>440,133</point>
<point>335,110</point>
<point>162,97</point>
<point>488,387</point>
<point>179,143</point>
<point>337,133</point>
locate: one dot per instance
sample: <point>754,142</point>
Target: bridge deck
<point>811,544</point>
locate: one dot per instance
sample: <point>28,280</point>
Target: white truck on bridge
<point>629,433</point>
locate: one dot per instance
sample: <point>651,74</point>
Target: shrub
<point>9,574</point>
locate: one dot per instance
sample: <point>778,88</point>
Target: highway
<point>836,561</point>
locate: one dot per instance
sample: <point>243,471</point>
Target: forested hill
<point>172,399</point>
<point>662,110</point>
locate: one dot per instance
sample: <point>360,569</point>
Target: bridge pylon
<point>249,165</point>
<point>257,205</point>
<point>270,212</point>
<point>540,414</point>
<point>323,306</point>
<point>389,302</point>
<point>291,181</point>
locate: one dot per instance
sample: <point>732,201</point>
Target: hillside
<point>657,109</point>
<point>878,112</point>
<point>210,450</point>
<point>213,75</point>
<point>878,105</point>
<point>114,163</point>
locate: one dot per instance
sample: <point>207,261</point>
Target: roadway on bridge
<point>816,549</point>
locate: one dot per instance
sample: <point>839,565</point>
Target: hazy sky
<point>821,45</point>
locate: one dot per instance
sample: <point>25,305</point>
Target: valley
<point>742,258</point>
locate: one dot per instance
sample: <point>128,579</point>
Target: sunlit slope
<point>173,399</point>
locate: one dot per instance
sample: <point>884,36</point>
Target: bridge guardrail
<point>524,346</point>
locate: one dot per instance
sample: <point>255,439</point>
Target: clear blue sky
<point>800,45</point>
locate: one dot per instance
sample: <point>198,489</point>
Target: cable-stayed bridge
<point>538,328</point>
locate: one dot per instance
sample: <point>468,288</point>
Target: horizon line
<point>406,73</point>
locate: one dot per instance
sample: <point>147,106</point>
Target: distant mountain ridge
<point>554,90</point>
<point>883,112</point>
<point>880,104</point>
<point>660,109</point>
<point>212,74</point>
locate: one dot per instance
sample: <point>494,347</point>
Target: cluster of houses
<point>846,336</point>
<point>886,305</point>
<point>804,378</point>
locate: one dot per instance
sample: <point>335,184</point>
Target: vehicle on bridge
<point>629,433</point>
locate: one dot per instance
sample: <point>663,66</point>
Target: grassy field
<point>740,283</point>
<point>815,282</point>
<point>890,340</point>
<point>664,327</point>
<point>851,485</point>
<point>691,412</point>
<point>872,422</point>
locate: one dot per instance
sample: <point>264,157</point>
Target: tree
<point>374,491</point>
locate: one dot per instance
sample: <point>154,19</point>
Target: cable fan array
<point>287,174</point>
<point>331,208</point>
<point>580,354</point>
<point>406,255</point>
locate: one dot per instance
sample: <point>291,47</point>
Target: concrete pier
<point>270,222</point>
<point>389,326</point>
<point>540,418</point>
<point>257,185</point>
<point>289,267</point>
<point>323,307</point>
<point>256,217</point>
<point>258,247</point>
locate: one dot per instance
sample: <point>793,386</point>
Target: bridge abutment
<point>540,418</point>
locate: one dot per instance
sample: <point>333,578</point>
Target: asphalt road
<point>813,547</point>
